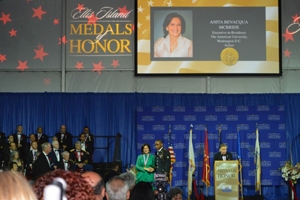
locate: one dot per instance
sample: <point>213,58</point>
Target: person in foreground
<point>14,186</point>
<point>173,44</point>
<point>96,181</point>
<point>77,187</point>
<point>175,193</point>
<point>223,154</point>
<point>117,189</point>
<point>142,190</point>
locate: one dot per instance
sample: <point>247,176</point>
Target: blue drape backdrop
<point>109,113</point>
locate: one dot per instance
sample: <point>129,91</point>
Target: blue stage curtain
<point>109,113</point>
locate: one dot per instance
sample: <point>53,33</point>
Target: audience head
<point>78,145</point>
<point>96,181</point>
<point>46,147</point>
<point>142,190</point>
<point>115,166</point>
<point>146,148</point>
<point>175,193</point>
<point>13,146</point>
<point>129,179</point>
<point>158,144</point>
<point>54,138</point>
<point>77,187</point>
<point>13,166</point>
<point>32,137</point>
<point>19,129</point>
<point>82,137</point>
<point>34,145</point>
<point>39,130</point>
<point>55,144</point>
<point>86,130</point>
<point>223,149</point>
<point>117,189</point>
<point>14,155</point>
<point>63,129</point>
<point>10,138</point>
<point>10,181</point>
<point>65,155</point>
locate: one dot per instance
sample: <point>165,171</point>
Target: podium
<point>226,176</point>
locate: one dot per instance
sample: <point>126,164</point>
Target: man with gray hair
<point>117,189</point>
<point>129,179</point>
<point>42,163</point>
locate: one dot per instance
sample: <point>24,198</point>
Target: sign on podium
<point>226,180</point>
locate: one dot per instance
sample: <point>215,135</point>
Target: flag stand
<point>241,176</point>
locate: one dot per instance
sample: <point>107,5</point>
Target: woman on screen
<point>173,44</point>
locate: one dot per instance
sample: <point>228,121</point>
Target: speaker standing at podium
<point>223,154</point>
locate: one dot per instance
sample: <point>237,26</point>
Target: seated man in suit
<point>65,162</point>
<point>80,159</point>
<point>223,154</point>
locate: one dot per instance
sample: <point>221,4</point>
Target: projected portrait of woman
<point>173,43</point>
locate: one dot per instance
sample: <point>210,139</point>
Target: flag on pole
<point>191,163</point>
<point>238,147</point>
<point>239,158</point>
<point>257,162</point>
<point>220,136</point>
<point>206,163</point>
<point>172,153</point>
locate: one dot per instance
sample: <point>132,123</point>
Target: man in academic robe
<point>42,164</point>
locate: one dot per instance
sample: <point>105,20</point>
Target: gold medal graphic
<point>229,56</point>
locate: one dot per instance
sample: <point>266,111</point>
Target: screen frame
<point>137,73</point>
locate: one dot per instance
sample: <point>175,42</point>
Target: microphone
<point>56,190</point>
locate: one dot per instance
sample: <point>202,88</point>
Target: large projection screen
<point>205,37</point>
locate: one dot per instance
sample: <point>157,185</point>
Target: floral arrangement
<point>132,169</point>
<point>290,172</point>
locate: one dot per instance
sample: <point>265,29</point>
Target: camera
<point>160,182</point>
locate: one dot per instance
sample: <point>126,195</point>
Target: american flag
<point>172,153</point>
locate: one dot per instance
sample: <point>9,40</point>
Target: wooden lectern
<point>226,180</point>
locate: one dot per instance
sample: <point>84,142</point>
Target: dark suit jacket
<point>44,138</point>
<point>163,162</point>
<point>61,165</point>
<point>53,158</point>
<point>90,142</point>
<point>29,159</point>
<point>218,156</point>
<point>67,140</point>
<point>23,142</point>
<point>88,147</point>
<point>40,166</point>
<point>2,142</point>
<point>23,139</point>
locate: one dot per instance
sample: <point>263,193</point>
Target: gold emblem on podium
<point>229,56</point>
